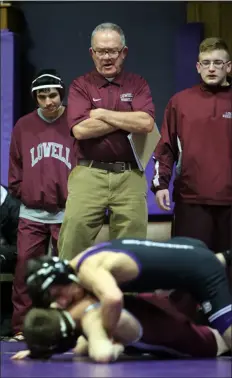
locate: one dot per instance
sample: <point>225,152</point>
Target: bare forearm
<point>126,331</point>
<point>92,326</point>
<point>100,346</point>
<point>111,311</point>
<point>92,128</point>
<point>133,122</point>
<point>103,285</point>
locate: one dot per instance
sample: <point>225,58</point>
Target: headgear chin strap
<point>44,272</point>
<point>65,340</point>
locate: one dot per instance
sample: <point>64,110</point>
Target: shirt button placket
<point>110,97</point>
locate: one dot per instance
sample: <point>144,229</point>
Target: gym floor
<point>69,366</point>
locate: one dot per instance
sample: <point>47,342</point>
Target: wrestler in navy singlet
<point>181,263</point>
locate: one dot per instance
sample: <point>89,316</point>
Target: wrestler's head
<point>48,90</point>
<point>66,295</point>
<point>49,280</point>
<point>49,331</point>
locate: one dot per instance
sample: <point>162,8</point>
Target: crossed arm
<point>103,122</point>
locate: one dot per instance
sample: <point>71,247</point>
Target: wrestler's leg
<point>221,258</point>
<point>195,334</point>
<point>185,302</point>
<point>214,295</point>
<point>166,327</point>
<point>128,330</point>
<point>225,258</point>
<point>201,274</point>
<point>227,336</point>
<point>221,345</point>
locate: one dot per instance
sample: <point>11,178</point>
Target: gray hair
<point>109,26</point>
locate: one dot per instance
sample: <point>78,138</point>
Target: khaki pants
<point>90,192</point>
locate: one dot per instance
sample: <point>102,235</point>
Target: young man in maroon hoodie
<point>42,154</point>
<point>197,135</point>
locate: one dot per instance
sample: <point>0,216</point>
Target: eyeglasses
<point>216,63</point>
<point>111,53</point>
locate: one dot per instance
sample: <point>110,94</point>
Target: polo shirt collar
<point>102,81</point>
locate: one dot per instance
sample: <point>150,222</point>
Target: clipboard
<point>143,146</point>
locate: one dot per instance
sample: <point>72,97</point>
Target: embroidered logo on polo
<point>227,115</point>
<point>126,97</point>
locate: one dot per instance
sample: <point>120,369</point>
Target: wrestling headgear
<point>49,332</point>
<point>43,272</point>
<point>48,78</point>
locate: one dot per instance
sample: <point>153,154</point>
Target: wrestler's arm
<point>81,349</point>
<point>101,282</point>
<point>127,331</point>
<point>100,347</point>
<point>21,354</point>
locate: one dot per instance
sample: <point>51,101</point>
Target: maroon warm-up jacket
<point>197,135</point>
<point>41,157</point>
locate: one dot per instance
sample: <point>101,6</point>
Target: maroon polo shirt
<point>126,93</point>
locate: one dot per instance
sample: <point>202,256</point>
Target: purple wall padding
<point>187,43</point>
<point>8,106</point>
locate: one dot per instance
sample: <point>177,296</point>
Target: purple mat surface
<point>67,366</point>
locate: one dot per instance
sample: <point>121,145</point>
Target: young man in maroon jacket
<point>197,135</point>
<point>104,107</point>
<point>42,155</point>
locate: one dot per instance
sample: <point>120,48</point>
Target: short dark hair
<point>49,331</point>
<point>41,327</point>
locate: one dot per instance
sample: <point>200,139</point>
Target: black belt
<point>116,167</point>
